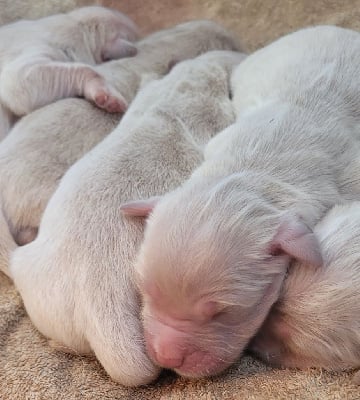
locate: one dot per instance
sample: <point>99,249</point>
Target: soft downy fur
<point>13,10</point>
<point>44,144</point>
<point>51,58</point>
<point>87,300</point>
<point>315,322</point>
<point>216,250</point>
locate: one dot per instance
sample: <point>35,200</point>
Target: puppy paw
<point>134,371</point>
<point>121,351</point>
<point>98,92</point>
<point>104,99</point>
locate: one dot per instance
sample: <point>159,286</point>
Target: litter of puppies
<point>246,167</point>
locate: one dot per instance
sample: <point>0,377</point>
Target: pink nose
<point>165,347</point>
<point>165,353</point>
<point>165,362</point>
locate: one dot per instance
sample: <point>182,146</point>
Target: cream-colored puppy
<point>51,58</point>
<point>216,250</point>
<point>44,144</point>
<point>316,321</point>
<point>76,277</point>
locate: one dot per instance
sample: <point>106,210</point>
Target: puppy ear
<point>140,208</point>
<point>119,48</point>
<point>297,240</point>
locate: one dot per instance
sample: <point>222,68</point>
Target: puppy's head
<point>210,267</point>
<point>315,322</point>
<point>110,33</point>
<point>298,333</point>
<point>284,342</point>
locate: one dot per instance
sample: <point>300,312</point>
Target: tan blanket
<point>30,370</point>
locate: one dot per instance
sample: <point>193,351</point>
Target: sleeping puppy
<point>316,321</point>
<point>87,300</point>
<point>44,144</point>
<point>216,250</point>
<point>51,58</point>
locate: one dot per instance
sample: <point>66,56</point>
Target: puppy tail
<point>7,245</point>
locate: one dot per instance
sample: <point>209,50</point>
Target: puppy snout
<point>165,360</point>
<point>165,354</point>
<point>164,347</point>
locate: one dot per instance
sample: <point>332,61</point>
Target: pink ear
<point>297,240</point>
<point>139,208</point>
<point>118,49</point>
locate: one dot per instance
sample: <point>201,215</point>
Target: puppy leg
<point>119,346</point>
<point>26,87</point>
<point>98,91</point>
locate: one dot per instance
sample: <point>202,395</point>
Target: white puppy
<point>44,144</point>
<point>316,321</point>
<point>80,264</point>
<point>48,59</point>
<point>38,151</point>
<point>217,249</point>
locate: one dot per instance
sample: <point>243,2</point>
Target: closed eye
<point>228,316</point>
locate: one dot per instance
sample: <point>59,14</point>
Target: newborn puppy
<point>44,144</point>
<point>45,60</point>
<point>36,154</point>
<point>84,297</point>
<point>216,250</point>
<point>316,321</point>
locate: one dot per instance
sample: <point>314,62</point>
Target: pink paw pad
<point>109,102</point>
<point>101,98</point>
<point>97,91</point>
<point>115,105</point>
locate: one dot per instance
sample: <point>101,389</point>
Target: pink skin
<point>202,339</point>
<point>201,336</point>
<point>97,91</point>
<point>170,341</point>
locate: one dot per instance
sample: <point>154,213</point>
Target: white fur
<point>13,10</point>
<point>216,250</point>
<point>81,262</point>
<point>51,58</point>
<point>316,321</point>
<point>44,144</point>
